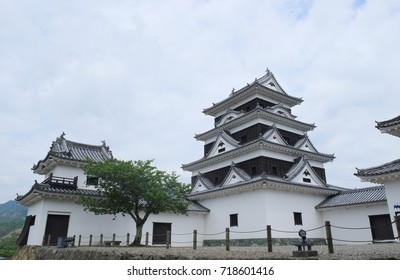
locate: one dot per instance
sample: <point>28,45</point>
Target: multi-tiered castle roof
<point>64,151</point>
<point>256,139</point>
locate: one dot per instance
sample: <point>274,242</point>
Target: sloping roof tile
<point>386,168</point>
<point>44,189</point>
<point>391,126</point>
<point>197,207</point>
<point>64,149</point>
<point>391,122</point>
<point>354,197</point>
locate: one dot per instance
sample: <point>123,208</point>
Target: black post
<point>168,239</point>
<point>194,239</point>
<point>269,238</point>
<point>227,240</point>
<point>329,236</point>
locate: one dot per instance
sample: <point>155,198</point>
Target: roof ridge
<point>380,165</point>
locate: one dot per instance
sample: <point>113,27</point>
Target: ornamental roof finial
<point>62,135</point>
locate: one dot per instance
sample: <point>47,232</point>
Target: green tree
<point>134,188</point>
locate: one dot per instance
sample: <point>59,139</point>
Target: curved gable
<point>230,115</point>
<point>282,111</point>
<point>274,136</point>
<point>222,144</point>
<point>305,145</point>
<point>235,175</point>
<point>303,173</point>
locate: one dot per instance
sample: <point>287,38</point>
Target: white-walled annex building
<point>259,167</point>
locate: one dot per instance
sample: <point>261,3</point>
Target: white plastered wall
<point>84,224</point>
<point>392,189</point>
<point>257,209</point>
<point>352,217</point>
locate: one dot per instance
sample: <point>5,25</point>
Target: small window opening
<point>298,219</point>
<point>306,180</point>
<point>92,181</point>
<point>233,219</point>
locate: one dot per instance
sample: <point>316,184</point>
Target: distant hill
<point>12,217</point>
<point>11,210</point>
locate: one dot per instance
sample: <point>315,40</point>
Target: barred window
<point>92,181</point>
<point>298,220</point>
<point>233,220</point>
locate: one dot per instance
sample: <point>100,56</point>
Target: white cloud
<point>138,74</point>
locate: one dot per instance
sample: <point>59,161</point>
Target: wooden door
<point>160,233</point>
<point>56,226</point>
<point>381,227</point>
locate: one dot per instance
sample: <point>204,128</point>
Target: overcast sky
<point>138,74</point>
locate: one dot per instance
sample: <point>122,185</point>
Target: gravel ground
<point>387,251</point>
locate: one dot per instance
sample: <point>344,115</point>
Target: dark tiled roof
<point>354,197</point>
<point>391,122</point>
<point>391,126</point>
<point>273,181</point>
<point>65,149</point>
<point>387,168</point>
<point>259,83</point>
<point>47,188</point>
<point>197,207</point>
<point>260,140</point>
<point>40,188</point>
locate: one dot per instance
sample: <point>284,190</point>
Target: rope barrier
<point>211,233</point>
<point>315,228</point>
<point>362,228</point>
<point>342,240</point>
<point>91,238</point>
<point>284,231</point>
<point>182,242</point>
<point>349,228</point>
<point>254,231</point>
<point>190,233</point>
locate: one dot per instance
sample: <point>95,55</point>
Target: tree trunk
<point>138,235</point>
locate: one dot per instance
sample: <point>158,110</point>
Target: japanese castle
<point>259,167</point>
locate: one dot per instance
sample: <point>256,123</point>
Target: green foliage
<point>8,245</point>
<point>134,188</point>
<point>9,225</point>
